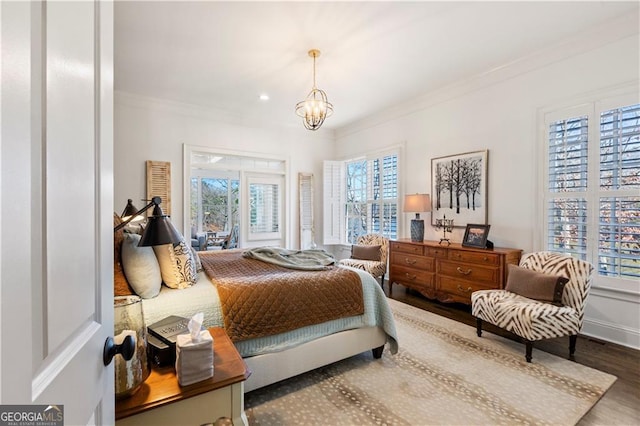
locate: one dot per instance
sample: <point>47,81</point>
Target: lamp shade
<point>131,210</point>
<point>159,231</point>
<point>416,203</point>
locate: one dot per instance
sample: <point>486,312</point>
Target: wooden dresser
<point>448,273</point>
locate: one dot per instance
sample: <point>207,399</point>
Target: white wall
<point>152,129</point>
<point>496,111</point>
<point>501,116</point>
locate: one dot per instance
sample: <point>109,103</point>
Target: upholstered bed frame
<point>273,367</point>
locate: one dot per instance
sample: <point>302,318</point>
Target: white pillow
<point>177,265</point>
<point>141,267</point>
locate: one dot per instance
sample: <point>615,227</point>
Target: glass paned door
<point>214,204</point>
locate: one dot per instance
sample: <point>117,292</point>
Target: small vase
<point>129,320</point>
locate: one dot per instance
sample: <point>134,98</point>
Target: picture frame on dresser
<point>459,188</point>
<point>476,235</point>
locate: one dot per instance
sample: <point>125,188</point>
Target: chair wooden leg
<point>382,281</point>
<point>572,345</point>
<point>529,350</point>
<point>478,327</point>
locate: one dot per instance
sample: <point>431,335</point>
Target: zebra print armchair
<point>377,268</point>
<point>533,320</point>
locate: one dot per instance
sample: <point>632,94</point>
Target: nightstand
<point>162,401</point>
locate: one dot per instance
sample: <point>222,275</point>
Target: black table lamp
<point>417,203</point>
<point>159,229</point>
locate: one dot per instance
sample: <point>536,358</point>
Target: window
<point>592,187</point>
<point>264,209</point>
<point>214,203</point>
<point>227,191</point>
<point>361,197</point>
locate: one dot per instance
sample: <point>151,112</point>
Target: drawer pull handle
<point>467,272</point>
<point>485,258</point>
<point>411,277</point>
<point>410,261</point>
<point>463,290</point>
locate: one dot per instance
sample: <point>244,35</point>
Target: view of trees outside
<point>217,206</point>
<point>619,175</point>
<point>567,220</point>
<point>372,197</point>
<point>619,240</point>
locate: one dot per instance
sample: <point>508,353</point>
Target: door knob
<point>127,348</point>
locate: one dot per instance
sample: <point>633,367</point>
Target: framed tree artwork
<point>459,188</point>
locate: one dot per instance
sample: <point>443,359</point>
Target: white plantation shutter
<point>566,186</point>
<point>619,195</point>
<point>264,208</point>
<point>592,196</point>
<point>333,199</point>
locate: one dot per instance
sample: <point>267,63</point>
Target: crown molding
<point>609,32</point>
<point>208,113</point>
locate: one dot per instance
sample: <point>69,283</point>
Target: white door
<point>56,199</point>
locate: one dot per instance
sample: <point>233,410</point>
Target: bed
<point>288,353</point>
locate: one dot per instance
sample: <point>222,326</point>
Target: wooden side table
<point>162,401</point>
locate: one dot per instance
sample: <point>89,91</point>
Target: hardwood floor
<point>619,406</point>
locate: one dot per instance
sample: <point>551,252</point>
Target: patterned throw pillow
<point>365,252</point>
<point>140,267</point>
<point>199,267</point>
<point>177,265</point>
<point>536,285</point>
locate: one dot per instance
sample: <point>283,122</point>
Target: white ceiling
<point>375,55</point>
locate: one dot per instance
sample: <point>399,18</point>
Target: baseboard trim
<point>610,332</point>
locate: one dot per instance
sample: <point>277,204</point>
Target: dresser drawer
<point>411,277</point>
<point>439,252</point>
<point>407,248</point>
<point>412,261</point>
<point>466,271</point>
<point>460,288</point>
<point>474,257</point>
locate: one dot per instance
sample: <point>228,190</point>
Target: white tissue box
<point>194,360</point>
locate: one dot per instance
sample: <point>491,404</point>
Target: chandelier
<point>315,108</point>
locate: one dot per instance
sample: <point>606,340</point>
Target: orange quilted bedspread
<point>261,299</point>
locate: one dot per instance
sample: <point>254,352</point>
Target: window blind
<point>568,155</point>
<point>593,213</point>
<point>620,148</point>
<point>264,208</point>
<point>619,203</point>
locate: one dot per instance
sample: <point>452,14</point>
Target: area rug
<point>443,374</point>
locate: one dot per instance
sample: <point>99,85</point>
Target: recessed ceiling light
<point>264,97</point>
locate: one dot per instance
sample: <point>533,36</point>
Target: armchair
<point>372,261</point>
<point>198,239</point>
<point>533,320</point>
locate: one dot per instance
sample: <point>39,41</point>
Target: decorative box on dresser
<point>448,273</point>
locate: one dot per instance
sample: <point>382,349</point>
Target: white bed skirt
<point>273,367</point>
